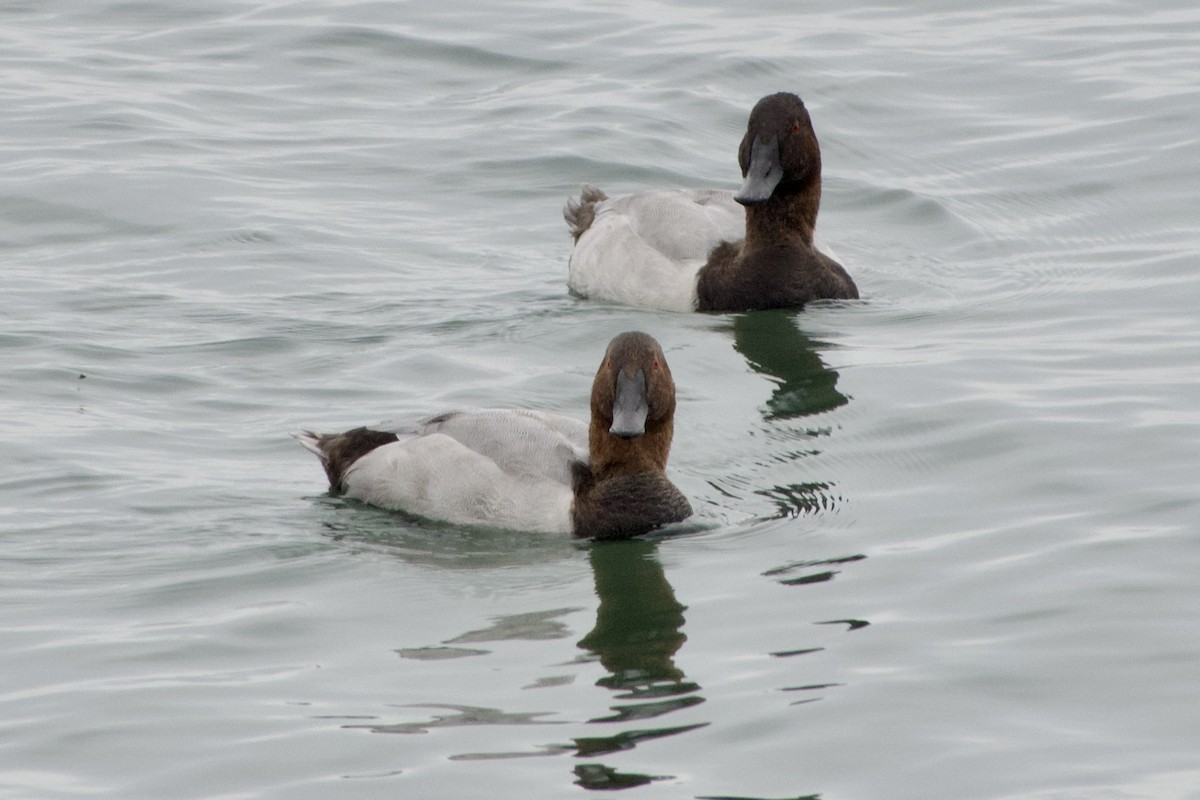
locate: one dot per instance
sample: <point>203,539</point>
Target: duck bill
<point>763,174</point>
<point>630,405</point>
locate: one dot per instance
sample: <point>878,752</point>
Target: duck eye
<point>795,126</point>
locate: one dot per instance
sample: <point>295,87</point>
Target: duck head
<point>779,150</point>
<point>633,406</point>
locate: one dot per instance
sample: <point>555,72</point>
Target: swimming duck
<point>529,470</point>
<point>700,250</point>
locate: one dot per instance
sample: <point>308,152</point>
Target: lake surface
<point>947,536</point>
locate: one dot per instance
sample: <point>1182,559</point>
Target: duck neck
<point>788,218</point>
<point>613,456</point>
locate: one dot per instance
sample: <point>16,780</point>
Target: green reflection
<point>639,628</point>
<point>639,623</point>
<point>598,776</point>
<point>775,347</point>
<point>603,745</point>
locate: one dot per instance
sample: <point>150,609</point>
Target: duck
<point>524,469</point>
<point>710,250</point>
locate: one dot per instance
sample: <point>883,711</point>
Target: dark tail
<point>338,451</point>
<point>580,213</point>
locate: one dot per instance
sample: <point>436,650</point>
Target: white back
<point>645,249</point>
<point>505,468</point>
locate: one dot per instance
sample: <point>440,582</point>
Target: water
<point>948,533</point>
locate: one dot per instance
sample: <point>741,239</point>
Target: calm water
<point>949,533</point>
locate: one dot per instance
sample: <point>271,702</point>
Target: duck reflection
<point>638,630</point>
<point>639,623</point>
<point>775,347</point>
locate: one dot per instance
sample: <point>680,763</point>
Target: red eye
<point>654,365</point>
<point>796,126</point>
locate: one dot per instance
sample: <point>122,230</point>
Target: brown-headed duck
<point>529,470</point>
<point>698,250</point>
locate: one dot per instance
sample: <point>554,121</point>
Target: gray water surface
<point>946,543</point>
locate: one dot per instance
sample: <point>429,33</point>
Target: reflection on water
<point>804,386</point>
<point>458,716</point>
<point>638,622</point>
<point>775,347</point>
<point>598,776</point>
<point>799,499</point>
<point>823,572</point>
<point>638,630</point>
<point>436,544</point>
<point>529,627</point>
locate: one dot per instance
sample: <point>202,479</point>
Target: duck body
<point>646,249</point>
<point>528,470</point>
<point>708,250</point>
<point>507,468</point>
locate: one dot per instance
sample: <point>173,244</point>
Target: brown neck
<point>788,218</point>
<point>612,455</point>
